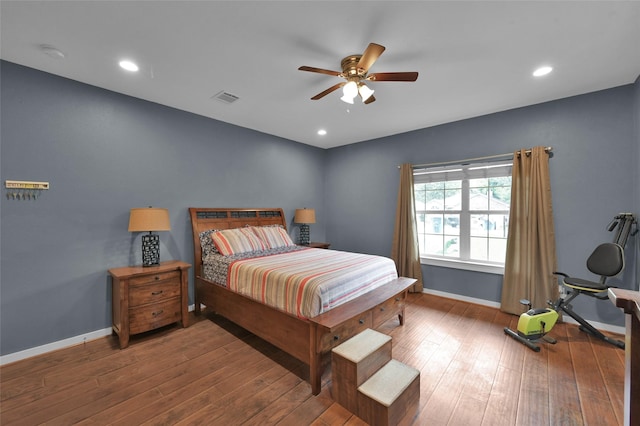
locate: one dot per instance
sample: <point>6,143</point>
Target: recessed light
<point>52,51</point>
<point>542,71</point>
<point>322,132</point>
<point>129,66</point>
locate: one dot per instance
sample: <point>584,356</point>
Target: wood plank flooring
<point>214,372</point>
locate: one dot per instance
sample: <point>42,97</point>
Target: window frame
<point>465,173</point>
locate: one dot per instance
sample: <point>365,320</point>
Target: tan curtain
<point>531,249</point>
<point>404,251</point>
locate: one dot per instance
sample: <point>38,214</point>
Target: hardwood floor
<point>214,372</point>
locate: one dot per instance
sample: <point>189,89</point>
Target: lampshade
<point>365,92</point>
<point>347,99</point>
<point>350,91</point>
<point>149,219</point>
<point>305,216</point>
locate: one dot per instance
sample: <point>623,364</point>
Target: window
<point>462,214</point>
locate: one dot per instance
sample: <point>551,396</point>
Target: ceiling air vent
<point>226,97</point>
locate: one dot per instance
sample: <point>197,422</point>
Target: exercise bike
<point>533,326</point>
<point>607,260</point>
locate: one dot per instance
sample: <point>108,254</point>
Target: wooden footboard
<point>307,340</point>
<point>370,310</point>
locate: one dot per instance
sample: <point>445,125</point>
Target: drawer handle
<point>361,321</point>
<point>155,293</point>
<point>336,337</point>
<point>397,299</point>
<point>157,277</point>
<point>158,313</point>
<point>382,309</point>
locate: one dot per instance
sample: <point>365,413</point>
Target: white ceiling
<point>474,57</point>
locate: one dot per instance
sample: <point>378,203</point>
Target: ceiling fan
<point>355,70</point>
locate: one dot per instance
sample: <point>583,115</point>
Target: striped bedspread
<point>309,282</point>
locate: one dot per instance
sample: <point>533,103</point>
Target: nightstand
<point>314,244</point>
<point>146,298</point>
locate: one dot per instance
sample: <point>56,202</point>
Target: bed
<point>304,337</point>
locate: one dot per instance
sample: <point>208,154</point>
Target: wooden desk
<point>629,301</point>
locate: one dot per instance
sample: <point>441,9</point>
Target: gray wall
<point>104,153</point>
<point>594,174</point>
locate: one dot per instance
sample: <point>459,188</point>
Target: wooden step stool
<point>389,394</point>
<point>354,362</point>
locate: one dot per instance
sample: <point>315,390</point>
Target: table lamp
<point>304,217</point>
<point>149,219</point>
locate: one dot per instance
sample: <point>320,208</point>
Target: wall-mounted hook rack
<point>24,190</point>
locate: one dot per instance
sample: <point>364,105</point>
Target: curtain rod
<point>547,149</point>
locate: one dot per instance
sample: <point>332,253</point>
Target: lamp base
<point>304,235</point>
<point>150,250</point>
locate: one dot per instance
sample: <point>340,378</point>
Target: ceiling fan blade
<point>393,76</point>
<point>370,55</point>
<point>371,99</point>
<point>329,90</point>
<point>319,70</point>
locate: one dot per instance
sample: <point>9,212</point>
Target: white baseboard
<point>54,346</point>
<point>60,344</point>
<point>599,325</point>
<point>454,296</point>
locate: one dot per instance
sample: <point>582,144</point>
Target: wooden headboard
<point>205,218</point>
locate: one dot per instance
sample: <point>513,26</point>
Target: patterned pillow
<point>207,243</point>
<point>273,236</point>
<point>235,241</point>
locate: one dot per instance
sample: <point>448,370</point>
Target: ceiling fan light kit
<point>365,92</point>
<point>349,91</point>
<point>355,70</point>
<point>347,99</point>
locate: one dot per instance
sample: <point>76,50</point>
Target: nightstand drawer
<point>154,278</point>
<point>154,292</point>
<point>148,317</point>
